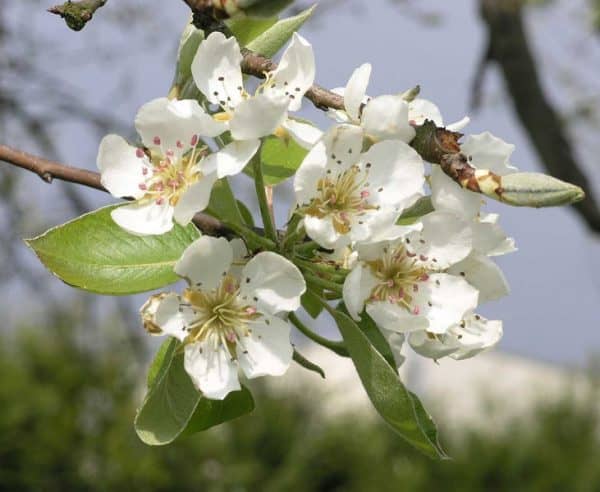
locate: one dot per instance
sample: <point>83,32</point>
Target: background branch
<point>509,47</point>
<point>77,14</point>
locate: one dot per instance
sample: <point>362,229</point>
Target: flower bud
<point>537,190</point>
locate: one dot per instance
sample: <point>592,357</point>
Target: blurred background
<point>72,365</point>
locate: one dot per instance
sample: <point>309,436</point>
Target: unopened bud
<point>411,94</point>
<point>537,190</point>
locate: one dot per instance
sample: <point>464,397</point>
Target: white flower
<point>388,116</point>
<point>172,177</point>
<point>346,195</point>
<point>484,151</point>
<point>405,284</point>
<point>471,336</point>
<point>227,316</point>
<point>217,73</point>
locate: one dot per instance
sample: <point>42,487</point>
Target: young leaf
<point>223,203</point>
<point>174,407</point>
<point>423,206</point>
<point>95,254</point>
<point>271,41</point>
<point>311,303</point>
<point>398,407</point>
<point>245,29</point>
<point>279,158</point>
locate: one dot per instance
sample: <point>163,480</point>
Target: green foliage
<point>245,28</point>
<point>423,206</point>
<point>173,406</point>
<point>95,254</point>
<point>273,39</point>
<point>65,425</point>
<point>280,159</point>
<point>396,405</point>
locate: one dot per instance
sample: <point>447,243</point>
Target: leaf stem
<point>261,195</point>
<point>337,347</point>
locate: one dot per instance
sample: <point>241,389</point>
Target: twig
<point>77,14</point>
<point>50,170</point>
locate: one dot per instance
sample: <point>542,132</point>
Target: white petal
<point>483,274</point>
<point>420,110</point>
<point>165,124</point>
<point>489,152</point>
<point>448,195</point>
<point>120,168</point>
<point>444,299</point>
<point>216,70</point>
<point>275,281</point>
<point>304,134</point>
<point>171,319</point>
<point>444,240</point>
<point>258,117</point>
<point>432,346</point>
<point>309,173</point>
<point>267,350</point>
<point>475,335</point>
<point>390,316</point>
<point>205,261</point>
<point>489,239</point>
<point>232,158</point>
<point>396,341</point>
<point>212,370</point>
<point>458,125</point>
<point>357,288</point>
<point>194,199</point>
<point>356,89</point>
<point>396,174</point>
<point>144,219</point>
<point>386,117</point>
<point>296,72</point>
<point>344,144</point>
<point>240,256</point>
<point>323,232</point>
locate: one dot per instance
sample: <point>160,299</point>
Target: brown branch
<point>509,47</point>
<point>77,14</point>
<point>50,170</point>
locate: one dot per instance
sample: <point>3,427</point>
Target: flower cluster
<point>420,280</point>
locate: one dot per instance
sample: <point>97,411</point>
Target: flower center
<point>221,318</point>
<point>341,198</point>
<point>399,275</point>
<point>170,176</point>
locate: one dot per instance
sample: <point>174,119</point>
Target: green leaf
<point>398,407</point>
<point>311,366</point>
<point>164,353</point>
<point>223,204</point>
<point>245,28</point>
<point>95,254</point>
<point>423,206</point>
<point>279,158</point>
<point>311,303</point>
<point>246,214</point>
<point>369,328</point>
<point>271,41</point>
<point>174,407</point>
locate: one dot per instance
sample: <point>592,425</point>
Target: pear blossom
<point>346,195</point>
<point>171,176</point>
<point>216,70</point>
<point>226,317</point>
<point>387,116</point>
<point>405,284</point>
<point>473,335</point>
